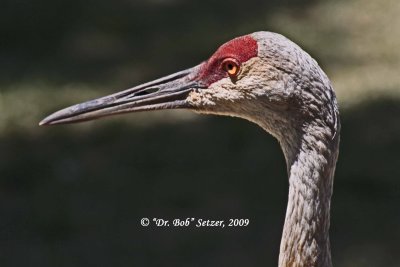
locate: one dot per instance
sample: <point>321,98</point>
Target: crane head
<point>256,76</point>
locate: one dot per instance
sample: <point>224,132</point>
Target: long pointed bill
<point>168,92</point>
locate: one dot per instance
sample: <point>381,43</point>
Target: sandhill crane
<point>267,79</point>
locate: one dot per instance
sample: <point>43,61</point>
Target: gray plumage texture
<point>310,145</point>
<point>285,92</point>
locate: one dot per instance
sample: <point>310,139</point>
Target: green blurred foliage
<point>74,195</point>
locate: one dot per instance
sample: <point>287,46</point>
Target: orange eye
<point>231,66</point>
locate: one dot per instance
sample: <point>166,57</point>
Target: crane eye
<point>231,66</point>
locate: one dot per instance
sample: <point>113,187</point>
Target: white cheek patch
<point>224,89</point>
<point>220,91</point>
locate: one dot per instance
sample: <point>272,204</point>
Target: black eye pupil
<point>230,66</point>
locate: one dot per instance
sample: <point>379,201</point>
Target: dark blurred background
<point>74,195</point>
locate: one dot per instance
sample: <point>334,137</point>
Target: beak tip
<point>49,120</point>
<point>55,118</point>
<point>44,122</point>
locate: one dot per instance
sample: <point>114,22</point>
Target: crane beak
<point>169,92</point>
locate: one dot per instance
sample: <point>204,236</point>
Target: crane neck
<point>311,158</point>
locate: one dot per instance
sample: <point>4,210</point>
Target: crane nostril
<point>146,92</point>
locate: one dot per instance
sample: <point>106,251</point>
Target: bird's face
<point>239,79</point>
